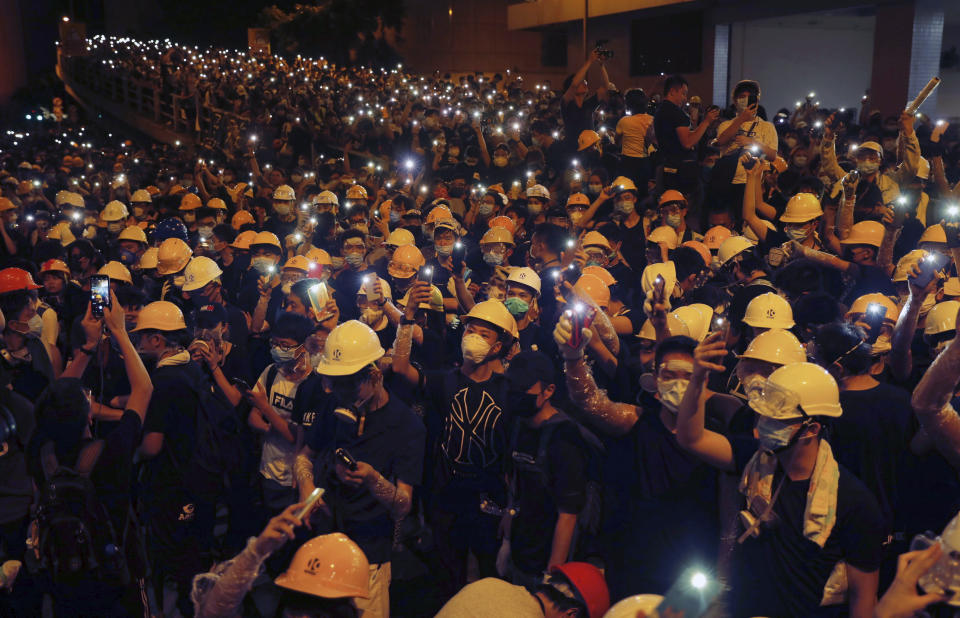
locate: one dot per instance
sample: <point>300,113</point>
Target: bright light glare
<point>698,581</point>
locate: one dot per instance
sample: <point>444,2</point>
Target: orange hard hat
<point>595,288</point>
<point>190,201</point>
<point>715,237</point>
<point>16,280</point>
<point>241,218</point>
<point>600,273</point>
<point>671,195</point>
<point>438,213</point>
<point>700,248</point>
<point>319,256</point>
<point>330,566</point>
<point>243,239</point>
<point>216,203</point>
<point>405,262</point>
<point>504,222</point>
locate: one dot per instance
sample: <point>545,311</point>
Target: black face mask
<point>523,404</point>
<point>456,191</point>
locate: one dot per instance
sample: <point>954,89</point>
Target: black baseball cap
<point>528,368</point>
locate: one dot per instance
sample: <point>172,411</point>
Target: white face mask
<point>371,316</point>
<point>867,167</point>
<point>624,207</point>
<point>671,393</point>
<point>474,348</point>
<point>534,208</point>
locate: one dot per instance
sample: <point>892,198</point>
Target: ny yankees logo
<point>469,433</point>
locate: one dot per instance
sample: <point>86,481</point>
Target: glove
<point>503,559</point>
<point>562,333</point>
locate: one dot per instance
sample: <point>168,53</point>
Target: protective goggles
<point>775,401</point>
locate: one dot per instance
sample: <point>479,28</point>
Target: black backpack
<point>219,447</point>
<point>76,538</point>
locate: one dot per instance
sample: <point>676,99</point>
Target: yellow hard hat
<point>400,237</point>
<point>173,256</point>
<point>160,315</point>
<point>664,234</point>
<point>595,239</point>
<point>942,318</point>
<point>494,312</point>
<point>933,234</point>
<point>587,138</point>
<point>801,208</point>
<point>319,256</point>
<point>134,233</point>
<point>284,193</point>
<point>199,272</point>
<point>906,263</point>
<point>117,271</point>
<point>241,218</point>
<point>622,183</point>
<point>298,262</point>
<point>859,306</point>
<point>266,238</point>
<point>671,195</point>
<point>216,203</point>
<point>769,311</point>
<point>356,192</point>
<point>149,258</point>
<point>114,211</point>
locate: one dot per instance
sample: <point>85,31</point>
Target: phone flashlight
<point>754,149</point>
<point>698,580</point>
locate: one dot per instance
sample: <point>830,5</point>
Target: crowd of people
<point>519,351</point>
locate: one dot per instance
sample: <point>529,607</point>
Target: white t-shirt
<point>491,598</point>
<point>764,132</point>
<point>276,460</point>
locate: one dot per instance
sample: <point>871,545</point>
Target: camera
<point>602,50</point>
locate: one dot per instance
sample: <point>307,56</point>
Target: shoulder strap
<point>88,457</point>
<point>271,377</point>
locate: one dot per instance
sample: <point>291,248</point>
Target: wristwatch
<point>89,352</point>
<point>404,321</point>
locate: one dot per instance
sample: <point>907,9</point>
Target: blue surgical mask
<point>355,260</point>
<point>283,355</point>
<point>674,221</point>
<point>774,435</point>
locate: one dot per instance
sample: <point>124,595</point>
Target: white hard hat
<point>667,270</point>
<point>525,276</point>
<point>942,318</point>
<point>326,197</point>
<point>777,346</point>
<point>697,317</point>
<point>400,237</point>
<point>674,324</point>
<point>798,389</point>
<point>769,311</point>
<point>349,348</point>
<point>732,247</point>
<point>538,191</point>
<point>284,192</point>
<point>199,272</point>
<point>114,211</point>
<point>74,199</point>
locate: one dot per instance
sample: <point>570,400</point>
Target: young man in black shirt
<point>808,523</point>
<point>367,424</point>
<point>678,140</point>
<point>547,471</point>
<point>467,416</point>
<point>62,435</point>
<point>576,107</point>
<point>648,476</point>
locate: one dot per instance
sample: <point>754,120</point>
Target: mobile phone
<point>576,323</point>
<point>241,384</point>
<point>571,274</point>
<point>751,99</point>
<point>690,596</point>
<point>874,319</point>
<point>319,297</point>
<point>372,294</point>
<point>425,274</point>
<point>720,325</point>
<point>929,265</point>
<point>459,253</point>
<point>749,163</point>
<point>315,495</point>
<point>345,458</point>
<point>99,294</point>
<point>658,284</point>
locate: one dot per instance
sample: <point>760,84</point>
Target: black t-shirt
<point>345,288</point>
<point>868,279</point>
<point>781,572</point>
<point>660,505</point>
<point>544,489</point>
<point>392,443</point>
<point>872,440</point>
<point>172,412</point>
<point>576,119</point>
<point>467,421</point>
<point>16,490</point>
<point>667,120</point>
